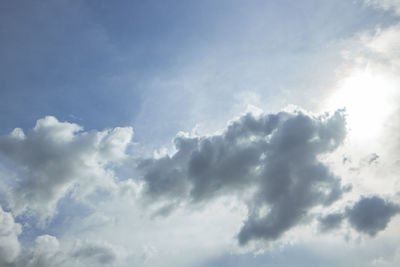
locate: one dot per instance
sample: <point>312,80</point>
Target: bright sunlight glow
<point>368,99</point>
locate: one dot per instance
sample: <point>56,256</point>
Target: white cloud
<point>380,49</point>
<point>48,251</point>
<point>386,4</point>
<point>56,158</point>
<point>9,244</point>
<point>367,85</point>
<point>183,238</point>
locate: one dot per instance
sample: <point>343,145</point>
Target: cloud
<point>371,159</point>
<point>386,5</point>
<point>371,214</point>
<point>94,252</point>
<point>47,252</point>
<point>269,161</point>
<point>58,158</point>
<point>330,221</point>
<point>9,244</point>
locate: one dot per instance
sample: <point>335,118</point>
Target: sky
<point>200,133</point>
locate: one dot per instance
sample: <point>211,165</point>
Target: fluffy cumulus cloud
<point>270,161</point>
<point>46,252</point>
<point>9,244</point>
<point>58,158</point>
<point>321,182</point>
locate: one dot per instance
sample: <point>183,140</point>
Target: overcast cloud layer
<point>284,121</point>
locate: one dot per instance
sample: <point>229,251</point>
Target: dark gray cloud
<point>273,158</point>
<point>330,221</point>
<point>98,253</point>
<point>371,214</point>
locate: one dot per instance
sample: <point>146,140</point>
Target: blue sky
<point>128,116</point>
<point>99,62</point>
